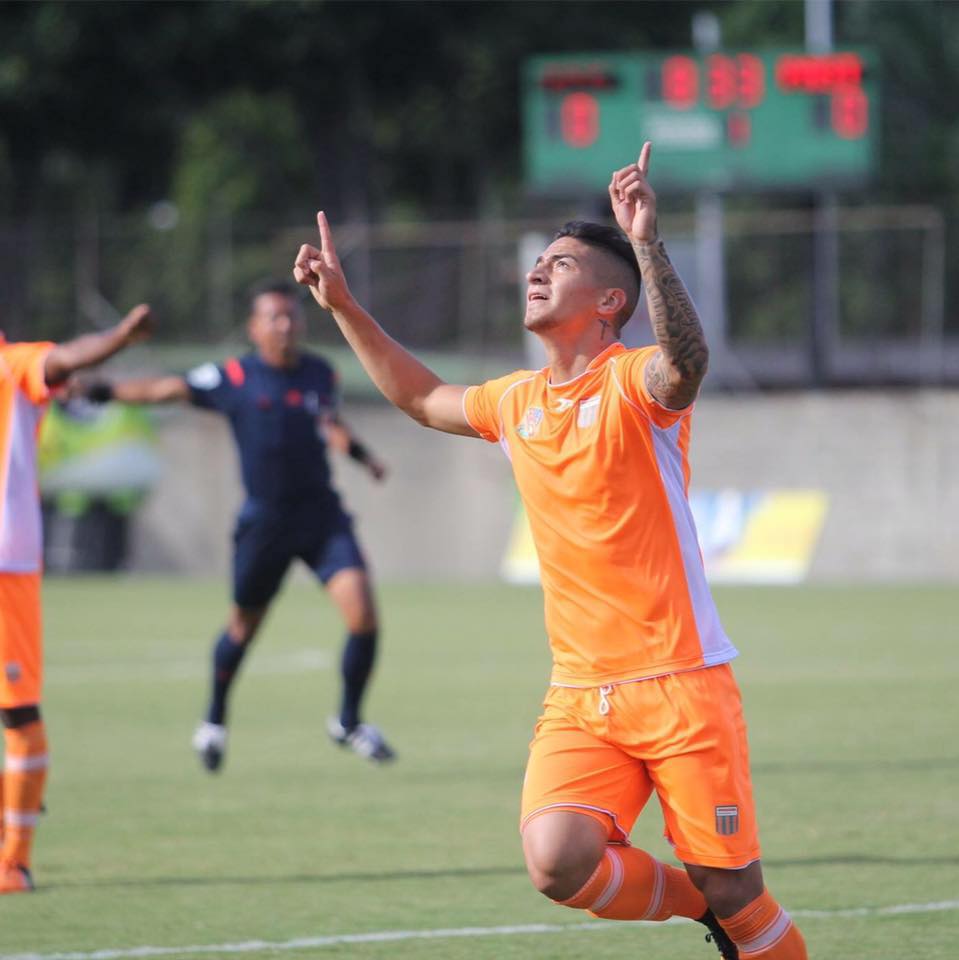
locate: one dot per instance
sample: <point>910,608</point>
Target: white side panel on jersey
<point>716,646</point>
<point>21,534</point>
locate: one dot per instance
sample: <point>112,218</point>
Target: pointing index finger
<point>643,162</point>
<point>326,237</point>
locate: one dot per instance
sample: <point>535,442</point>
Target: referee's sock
<point>227,657</point>
<point>356,666</point>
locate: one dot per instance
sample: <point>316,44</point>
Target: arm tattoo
<point>674,374</point>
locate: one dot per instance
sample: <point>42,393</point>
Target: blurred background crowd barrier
<point>458,287</point>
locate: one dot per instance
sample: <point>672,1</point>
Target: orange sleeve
<point>481,405</point>
<point>25,362</point>
<point>631,374</point>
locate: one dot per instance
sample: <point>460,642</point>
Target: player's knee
<point>559,880</point>
<point>363,621</point>
<point>728,891</point>
<point>559,872</point>
<point>13,717</point>
<point>243,625</point>
<point>240,633</point>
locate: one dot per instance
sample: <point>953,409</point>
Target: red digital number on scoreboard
<point>579,119</point>
<point>850,112</point>
<point>680,80</point>
<point>730,81</point>
<point>818,73</point>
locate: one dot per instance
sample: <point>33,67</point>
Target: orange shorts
<point>603,750</point>
<point>21,644</point>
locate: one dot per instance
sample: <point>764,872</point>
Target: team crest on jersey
<point>727,819</point>
<point>531,421</point>
<point>588,411</point>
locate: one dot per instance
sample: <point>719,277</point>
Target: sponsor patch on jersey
<point>531,422</point>
<point>205,377</point>
<point>588,411</point>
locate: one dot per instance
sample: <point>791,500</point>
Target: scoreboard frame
<point>759,119</point>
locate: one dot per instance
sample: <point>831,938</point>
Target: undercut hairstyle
<point>615,243</point>
<point>285,288</point>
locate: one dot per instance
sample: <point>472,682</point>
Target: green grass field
<point>850,695</point>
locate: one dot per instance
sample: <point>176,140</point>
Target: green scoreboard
<point>755,119</point>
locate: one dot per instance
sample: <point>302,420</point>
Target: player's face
<point>562,286</point>
<point>276,327</point>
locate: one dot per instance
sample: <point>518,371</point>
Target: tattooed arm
<point>675,372</point>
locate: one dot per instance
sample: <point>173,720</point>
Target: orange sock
<point>629,884</point>
<point>25,772</point>
<point>763,929</point>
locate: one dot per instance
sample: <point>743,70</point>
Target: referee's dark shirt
<point>275,415</point>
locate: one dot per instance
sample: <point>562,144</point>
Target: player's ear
<point>612,301</point>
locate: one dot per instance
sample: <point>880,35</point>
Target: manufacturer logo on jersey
<point>727,820</point>
<point>531,421</point>
<point>563,404</point>
<point>588,411</point>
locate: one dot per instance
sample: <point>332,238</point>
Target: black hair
<point>599,235</point>
<point>285,288</point>
<point>612,241</point>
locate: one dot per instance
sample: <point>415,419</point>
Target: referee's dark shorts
<point>268,537</point>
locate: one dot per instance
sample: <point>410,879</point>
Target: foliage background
<point>246,115</point>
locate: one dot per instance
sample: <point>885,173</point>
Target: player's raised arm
<point>674,374</point>
<point>93,348</point>
<point>399,376</point>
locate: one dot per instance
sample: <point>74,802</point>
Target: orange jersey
<point>603,473</point>
<point>23,395</point>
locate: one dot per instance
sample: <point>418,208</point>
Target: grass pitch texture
<point>851,702</point>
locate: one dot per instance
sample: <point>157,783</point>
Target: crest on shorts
<point>13,671</point>
<point>531,421</point>
<point>727,819</point>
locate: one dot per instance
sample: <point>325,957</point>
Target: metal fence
<point>457,286</point>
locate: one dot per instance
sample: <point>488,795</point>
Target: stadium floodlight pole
<point>824,321</point>
<point>710,234</point>
<point>818,19</point>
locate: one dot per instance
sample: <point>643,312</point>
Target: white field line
<point>126,671</point>
<point>393,936</point>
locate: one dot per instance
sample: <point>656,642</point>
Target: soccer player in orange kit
<point>642,696</point>
<point>27,372</point>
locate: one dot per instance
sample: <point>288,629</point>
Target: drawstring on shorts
<point>604,693</point>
